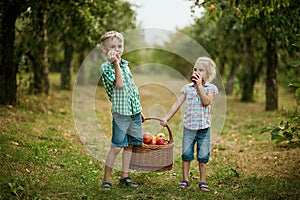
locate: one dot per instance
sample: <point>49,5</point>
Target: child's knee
<point>116,150</point>
<point>203,157</point>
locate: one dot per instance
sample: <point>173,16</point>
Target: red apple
<point>153,142</point>
<point>147,138</point>
<point>194,78</point>
<point>160,141</point>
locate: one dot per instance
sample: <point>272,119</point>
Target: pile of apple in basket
<point>158,139</point>
<point>156,153</point>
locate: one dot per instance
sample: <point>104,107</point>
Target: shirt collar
<point>205,84</point>
<point>122,63</point>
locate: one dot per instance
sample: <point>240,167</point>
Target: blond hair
<point>111,34</point>
<point>210,66</point>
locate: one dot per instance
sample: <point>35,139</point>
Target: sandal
<point>127,181</point>
<point>203,187</point>
<point>184,184</point>
<point>105,186</point>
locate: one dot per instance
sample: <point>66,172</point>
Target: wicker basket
<point>153,157</point>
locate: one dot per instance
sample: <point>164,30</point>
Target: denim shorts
<point>126,130</point>
<point>202,138</point>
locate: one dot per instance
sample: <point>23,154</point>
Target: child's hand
<point>197,78</point>
<point>163,122</point>
<point>113,56</point>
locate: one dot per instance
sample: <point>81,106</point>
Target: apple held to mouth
<point>194,78</point>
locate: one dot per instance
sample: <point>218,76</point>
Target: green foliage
<point>289,130</point>
<point>286,131</point>
<point>42,157</point>
<point>45,28</point>
<point>295,77</point>
<point>254,34</point>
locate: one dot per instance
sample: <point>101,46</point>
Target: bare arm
<point>206,99</point>
<point>119,77</point>
<point>174,109</point>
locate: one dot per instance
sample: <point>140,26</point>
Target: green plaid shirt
<point>126,100</point>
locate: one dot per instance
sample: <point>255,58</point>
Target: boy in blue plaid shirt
<point>126,107</point>
<point>198,97</point>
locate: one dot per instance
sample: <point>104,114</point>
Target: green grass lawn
<point>42,156</point>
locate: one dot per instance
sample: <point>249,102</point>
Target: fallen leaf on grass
<point>15,143</point>
<point>28,170</point>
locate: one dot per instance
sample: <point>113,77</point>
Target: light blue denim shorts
<point>126,130</point>
<point>190,138</point>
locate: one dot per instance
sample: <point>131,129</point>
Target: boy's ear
<point>103,49</point>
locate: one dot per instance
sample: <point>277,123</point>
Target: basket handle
<point>168,128</point>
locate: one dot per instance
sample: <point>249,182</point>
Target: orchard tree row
<point>50,35</point>
<point>251,40</point>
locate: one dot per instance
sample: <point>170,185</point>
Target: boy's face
<point>201,69</point>
<point>114,44</point>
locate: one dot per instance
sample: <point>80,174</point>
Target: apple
<point>153,142</point>
<point>154,138</point>
<point>211,8</point>
<point>160,141</point>
<point>160,136</point>
<point>194,78</point>
<point>147,138</point>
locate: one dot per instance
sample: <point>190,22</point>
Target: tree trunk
<point>8,68</point>
<point>222,67</point>
<point>249,75</point>
<point>67,68</point>
<point>271,79</point>
<point>231,75</point>
<point>41,83</point>
<point>45,76</point>
<point>81,73</point>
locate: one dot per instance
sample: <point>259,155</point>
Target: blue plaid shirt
<point>196,115</point>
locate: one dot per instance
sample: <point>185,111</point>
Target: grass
<point>42,156</point>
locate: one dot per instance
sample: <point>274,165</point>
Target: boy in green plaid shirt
<point>126,107</point>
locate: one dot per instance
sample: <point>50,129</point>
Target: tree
<point>274,21</point>
<point>82,26</point>
<point>74,23</point>
<point>8,83</point>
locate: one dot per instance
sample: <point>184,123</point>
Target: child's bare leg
<point>185,169</point>
<point>202,171</point>
<point>126,158</point>
<point>110,160</point>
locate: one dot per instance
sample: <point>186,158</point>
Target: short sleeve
<point>184,90</point>
<point>214,89</point>
<point>108,74</point>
